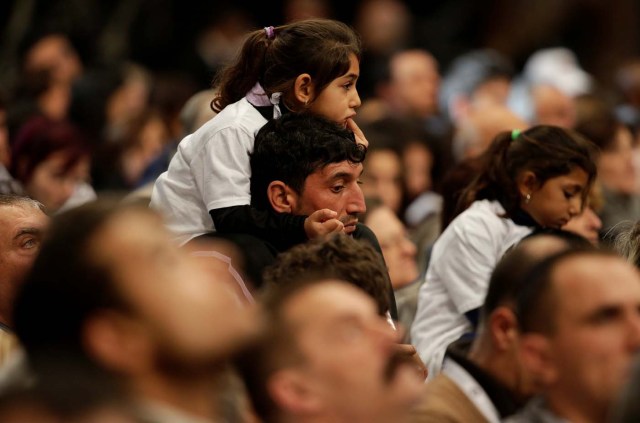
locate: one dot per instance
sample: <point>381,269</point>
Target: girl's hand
<point>360,138</point>
<point>322,222</point>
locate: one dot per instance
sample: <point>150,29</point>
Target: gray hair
<point>627,243</point>
<point>8,200</point>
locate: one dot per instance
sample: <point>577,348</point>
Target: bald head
<point>581,329</point>
<point>553,107</point>
<point>476,132</point>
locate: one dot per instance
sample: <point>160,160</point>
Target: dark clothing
<point>283,230</point>
<point>258,253</point>
<point>502,398</point>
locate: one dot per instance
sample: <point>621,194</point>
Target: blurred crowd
<point>451,298</point>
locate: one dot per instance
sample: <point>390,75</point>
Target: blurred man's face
<point>55,53</point>
<point>348,351</point>
<point>552,107</point>
<point>191,316</point>
<point>597,330</point>
<point>615,165</point>
<point>415,82</point>
<point>21,231</point>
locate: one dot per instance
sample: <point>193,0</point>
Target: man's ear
<point>504,328</point>
<point>527,183</point>
<point>537,357</point>
<point>117,342</point>
<point>282,198</point>
<point>303,89</point>
<point>293,392</point>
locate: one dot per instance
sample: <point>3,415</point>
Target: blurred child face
<point>52,184</point>
<point>339,100</point>
<point>557,200</point>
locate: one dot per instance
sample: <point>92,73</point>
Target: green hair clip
<point>514,134</point>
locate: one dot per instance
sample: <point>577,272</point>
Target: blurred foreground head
<point>327,356</point>
<point>110,288</point>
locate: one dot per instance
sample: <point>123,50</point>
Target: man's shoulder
<point>444,401</point>
<point>362,232</point>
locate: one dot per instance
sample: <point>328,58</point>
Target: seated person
<point>344,258</point>
<point>399,254</point>
<point>579,335</point>
<point>301,164</point>
<point>326,356</point>
<point>124,303</point>
<point>482,379</point>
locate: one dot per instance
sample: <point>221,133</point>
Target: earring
<point>527,198</point>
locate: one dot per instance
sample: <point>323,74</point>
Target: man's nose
<point>356,203</point>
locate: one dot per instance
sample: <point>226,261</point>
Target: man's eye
<point>29,243</point>
<point>337,188</point>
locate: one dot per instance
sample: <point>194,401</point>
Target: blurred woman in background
<point>50,159</point>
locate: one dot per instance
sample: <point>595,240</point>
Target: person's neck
<point>574,409</point>
<point>193,396</point>
<point>496,363</point>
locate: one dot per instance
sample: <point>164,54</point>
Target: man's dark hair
<point>338,257</point>
<point>291,148</point>
<point>536,303</point>
<point>66,285</point>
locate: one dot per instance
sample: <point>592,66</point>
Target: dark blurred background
<point>186,36</point>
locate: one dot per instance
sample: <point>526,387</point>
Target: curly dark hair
<point>291,148</point>
<point>336,257</point>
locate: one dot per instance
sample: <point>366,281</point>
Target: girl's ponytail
<point>488,183</point>
<point>546,151</point>
<point>275,57</point>
<point>233,82</point>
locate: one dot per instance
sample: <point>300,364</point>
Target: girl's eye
<point>348,85</point>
